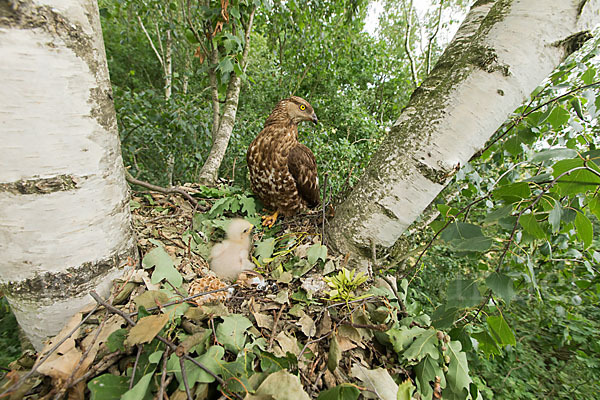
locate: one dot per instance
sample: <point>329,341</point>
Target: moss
<point>574,42</point>
<point>70,283</point>
<point>41,185</point>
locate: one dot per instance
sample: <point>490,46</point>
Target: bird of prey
<point>230,257</point>
<point>283,171</point>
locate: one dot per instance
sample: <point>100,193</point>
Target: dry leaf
<point>287,343</point>
<point>307,325</point>
<point>146,329</point>
<point>263,320</point>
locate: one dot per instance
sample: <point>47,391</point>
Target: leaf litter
<point>171,329</point>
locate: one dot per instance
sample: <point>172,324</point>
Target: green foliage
<point>344,284</point>
<point>518,247</point>
<point>514,257</point>
<point>9,335</point>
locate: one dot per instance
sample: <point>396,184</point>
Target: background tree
<point>65,207</point>
<point>406,175</point>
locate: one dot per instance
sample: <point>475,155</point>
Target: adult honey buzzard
<point>283,171</point>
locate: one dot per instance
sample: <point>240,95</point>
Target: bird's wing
<point>303,167</point>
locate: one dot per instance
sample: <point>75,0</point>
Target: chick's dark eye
<point>302,107</point>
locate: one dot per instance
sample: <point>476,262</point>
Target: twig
<point>48,354</point>
<point>161,189</point>
<point>103,364</point>
<point>325,176</point>
<point>137,358</point>
<point>68,385</point>
<point>185,299</point>
<point>395,290</point>
<point>432,37</point>
<point>167,342</point>
<point>163,376</point>
<point>378,327</point>
<point>185,380</point>
<point>275,321</point>
<point>151,42</point>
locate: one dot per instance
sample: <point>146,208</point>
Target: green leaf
<point>231,332</point>
<point>463,293</point>
<point>498,214</point>
<point>558,117</point>
<point>585,230</point>
<point>594,206</point>
<point>458,369</point>
<point>335,354</point>
<point>163,266</point>
<point>402,337</point>
<point>486,343</point>
<point>531,226</point>
<point>425,344</point>
<point>461,236</point>
<point>576,104</point>
<point>315,252</point>
<point>555,216</point>
<point>264,249</point>
<point>139,390</point>
<point>554,154</point>
<point>270,363</point>
<point>248,205</point>
<point>155,357</point>
<point>578,181</point>
<point>513,193</point>
<point>501,285</point>
<point>405,390</point>
<point>345,391</point>
<point>501,331</point>
<point>226,67</point>
<point>108,387</point>
<point>589,76</point>
<point>116,339</point>
<point>212,359</point>
<point>443,317</point>
<point>427,370</point>
<point>221,205</point>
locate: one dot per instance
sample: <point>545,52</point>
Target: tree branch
<point>161,189</point>
<point>151,43</point>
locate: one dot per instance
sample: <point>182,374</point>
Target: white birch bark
<point>502,51</point>
<point>65,225</point>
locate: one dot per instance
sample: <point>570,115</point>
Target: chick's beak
<point>314,118</point>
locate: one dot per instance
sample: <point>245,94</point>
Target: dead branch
<point>160,189</point>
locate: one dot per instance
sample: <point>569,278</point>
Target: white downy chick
<point>230,257</point>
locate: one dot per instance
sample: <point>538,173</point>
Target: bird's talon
<point>269,220</point>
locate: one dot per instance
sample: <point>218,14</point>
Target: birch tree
<point>64,207</point>
<point>501,52</point>
<point>231,67</point>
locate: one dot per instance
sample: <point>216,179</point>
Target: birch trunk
<point>210,170</point>
<point>502,51</point>
<point>65,226</point>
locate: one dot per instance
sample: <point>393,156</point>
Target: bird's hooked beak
<point>314,118</point>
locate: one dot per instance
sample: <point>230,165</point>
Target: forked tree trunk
<point>210,170</point>
<point>65,225</point>
<point>501,52</point>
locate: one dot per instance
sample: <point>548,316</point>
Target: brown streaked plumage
<point>283,172</point>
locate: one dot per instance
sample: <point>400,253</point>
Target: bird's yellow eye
<point>302,107</point>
